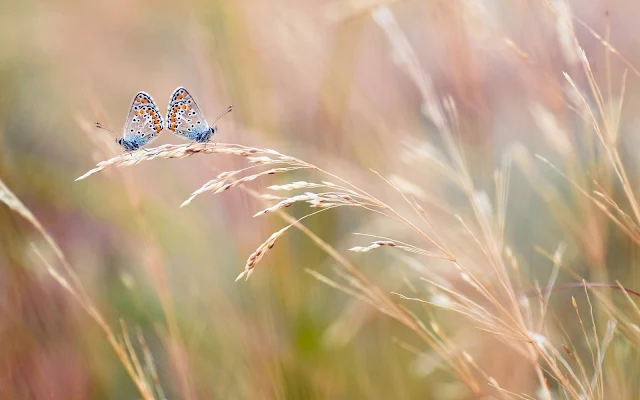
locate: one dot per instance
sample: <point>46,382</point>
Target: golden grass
<point>497,302</point>
<point>468,266</point>
<point>121,344</point>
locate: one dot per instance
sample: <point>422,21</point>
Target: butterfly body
<point>185,119</point>
<point>132,143</point>
<point>201,135</point>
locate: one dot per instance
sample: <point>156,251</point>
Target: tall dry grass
<point>499,299</point>
<point>549,318</point>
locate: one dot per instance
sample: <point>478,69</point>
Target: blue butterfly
<point>144,123</point>
<point>185,119</point>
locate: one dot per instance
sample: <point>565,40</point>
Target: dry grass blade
<point>606,341</point>
<point>373,245</point>
<point>319,200</point>
<point>10,200</point>
<point>257,255</point>
<point>597,364</point>
<point>259,156</point>
<point>220,185</point>
<point>584,332</point>
<point>309,196</point>
<point>150,364</point>
<point>370,293</point>
<point>299,185</point>
<point>135,361</point>
<point>390,243</point>
<point>76,289</point>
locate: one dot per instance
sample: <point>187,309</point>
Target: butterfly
<point>185,119</point>
<point>144,123</point>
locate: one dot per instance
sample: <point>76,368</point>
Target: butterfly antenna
<point>222,114</point>
<point>100,126</point>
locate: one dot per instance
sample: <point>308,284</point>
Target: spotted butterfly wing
<point>144,121</point>
<point>184,117</point>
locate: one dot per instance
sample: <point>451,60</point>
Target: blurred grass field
<point>491,146</point>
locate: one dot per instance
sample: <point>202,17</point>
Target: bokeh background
<point>322,81</point>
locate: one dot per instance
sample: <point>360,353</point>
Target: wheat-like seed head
<point>254,155</point>
<point>296,185</point>
<point>219,185</point>
<point>373,245</point>
<point>259,253</point>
